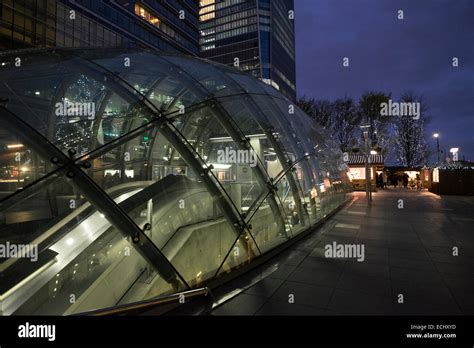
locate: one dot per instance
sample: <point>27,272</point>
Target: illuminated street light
<point>436,135</point>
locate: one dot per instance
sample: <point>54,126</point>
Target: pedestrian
<point>295,219</point>
<point>107,180</point>
<point>405,180</point>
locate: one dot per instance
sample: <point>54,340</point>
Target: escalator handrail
<point>148,304</point>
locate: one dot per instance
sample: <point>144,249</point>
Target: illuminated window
<point>358,173</point>
<point>203,3</point>
<point>207,16</point>
<point>146,15</point>
<point>207,9</point>
<point>436,175</point>
<point>208,47</point>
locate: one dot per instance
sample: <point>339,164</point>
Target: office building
<point>163,25</point>
<point>255,35</point>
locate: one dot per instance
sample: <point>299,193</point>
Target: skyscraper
<point>255,35</point>
<point>170,25</point>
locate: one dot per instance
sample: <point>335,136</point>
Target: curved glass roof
<point>136,173</point>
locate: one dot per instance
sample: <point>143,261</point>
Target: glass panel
<point>122,164</point>
<point>234,167</point>
<point>249,84</point>
<point>242,253</point>
<point>245,119</point>
<point>73,103</point>
<point>165,192</point>
<point>197,250</point>
<point>267,229</point>
<point>209,78</point>
<point>271,91</point>
<point>161,83</point>
<point>315,205</point>
<point>289,143</point>
<point>182,100</point>
<point>72,258</point>
<point>293,206</point>
<point>32,217</point>
<point>333,194</point>
<point>20,164</point>
<point>29,91</point>
<point>75,114</point>
<point>298,127</point>
<point>91,275</point>
<point>290,122</point>
<point>114,121</point>
<point>274,119</point>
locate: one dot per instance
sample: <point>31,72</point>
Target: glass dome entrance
<point>132,174</point>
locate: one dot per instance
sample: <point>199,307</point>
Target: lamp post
<point>372,170</point>
<point>436,135</point>
<point>365,130</point>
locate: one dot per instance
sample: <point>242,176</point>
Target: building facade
<point>255,35</point>
<point>163,25</point>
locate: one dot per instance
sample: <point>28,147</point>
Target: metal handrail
<point>148,304</point>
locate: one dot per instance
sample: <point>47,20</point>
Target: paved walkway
<point>408,252</point>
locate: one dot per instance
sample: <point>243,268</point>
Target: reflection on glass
<point>234,166</point>
<point>293,207</point>
<point>20,164</point>
<point>242,253</point>
<point>267,229</point>
<point>106,272</point>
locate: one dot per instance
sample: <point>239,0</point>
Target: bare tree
<point>345,120</point>
<point>410,143</point>
<point>370,107</point>
<point>318,110</point>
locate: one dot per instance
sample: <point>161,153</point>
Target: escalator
<point>85,264</point>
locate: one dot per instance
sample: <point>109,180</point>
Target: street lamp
<point>365,130</point>
<point>436,135</point>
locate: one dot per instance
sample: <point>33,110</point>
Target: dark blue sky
<point>394,56</point>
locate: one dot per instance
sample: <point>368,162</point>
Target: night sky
<point>393,56</point>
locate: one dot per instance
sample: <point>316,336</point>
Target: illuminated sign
<point>436,175</point>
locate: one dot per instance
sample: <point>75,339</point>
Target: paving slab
<point>407,251</point>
